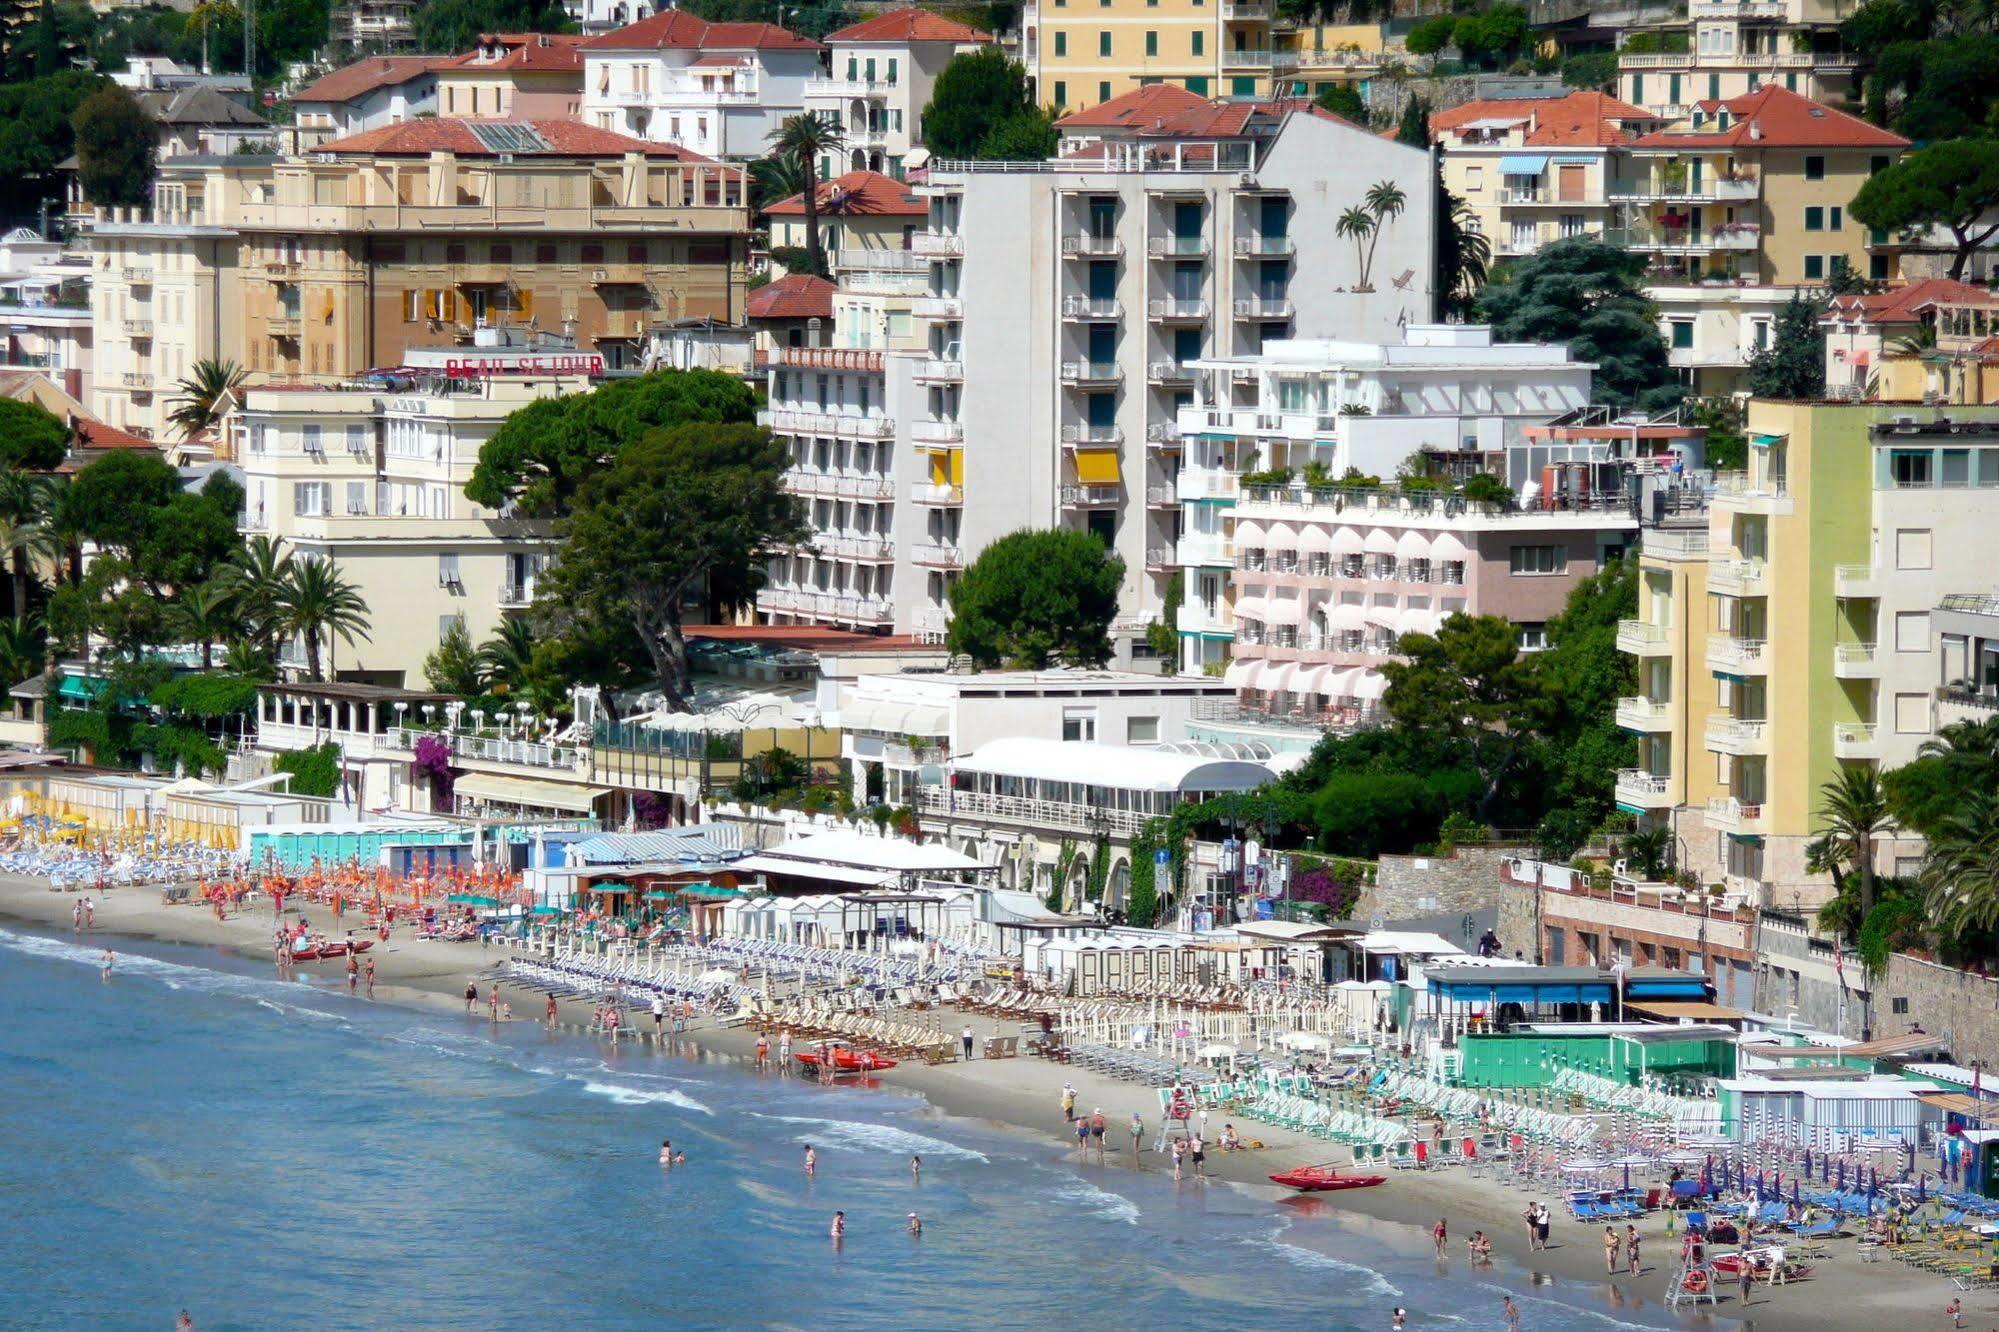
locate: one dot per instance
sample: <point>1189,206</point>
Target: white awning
<point>897,719</point>
<point>1277,678</point>
<point>1369,685</point>
<point>1385,616</point>
<point>1446,546</point>
<point>1315,539</point>
<point>1248,532</point>
<point>1281,536</point>
<point>1379,541</point>
<point>1347,615</point>
<point>1283,610</point>
<point>1412,546</point>
<point>1347,541</point>
<point>1310,680</point>
<point>1240,673</point>
<point>1249,608</point>
<point>1335,683</point>
<point>521,793</point>
<point>1418,622</point>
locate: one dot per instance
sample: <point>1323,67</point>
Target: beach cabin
<point>1844,1114</point>
<point>103,802</point>
<point>222,818</point>
<point>405,848</point>
<point>1297,950</point>
<point>848,860</point>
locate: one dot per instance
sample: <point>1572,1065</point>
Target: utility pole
<point>250,41</point>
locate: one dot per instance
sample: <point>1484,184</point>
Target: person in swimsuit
<point>471,995</point>
<point>1097,1133</point>
<point>353,973</point>
<point>1610,1245</point>
<point>551,1010</point>
<point>666,1153</point>
<point>811,1160</point>
<point>839,1225</point>
<point>1438,1236</point>
<point>1199,1151</point>
<point>915,1169</point>
<point>915,1224</point>
<point>763,1052</point>
<point>368,974</point>
<point>1631,1247</point>
<point>1179,1151</point>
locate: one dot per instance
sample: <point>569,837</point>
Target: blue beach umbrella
<point>1922,1189</point>
<point>1795,1200</point>
<point>1842,1176</point>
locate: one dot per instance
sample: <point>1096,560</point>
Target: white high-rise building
<point>714,88</point>
<point>1069,301</point>
<point>883,69</point>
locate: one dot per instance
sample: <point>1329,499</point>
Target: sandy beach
<point>1023,1095</point>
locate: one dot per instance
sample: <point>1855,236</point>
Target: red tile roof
<point>908,25</point>
<point>1167,111</point>
<point>1581,119</point>
<point>98,435</point>
<point>1775,117</point>
<point>565,138</point>
<point>677,29</point>
<point>364,76</point>
<point>1904,305</point>
<point>860,193</point>
<point>1140,106</point>
<point>797,296</point>
<point>525,52</point>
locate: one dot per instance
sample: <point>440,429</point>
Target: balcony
<point>1200,483</point>
<point>1259,246</point>
<point>1089,308</point>
<point>1091,497</point>
<point>832,424</point>
<point>1728,814</point>
<point>1736,578</point>
<point>1159,558</point>
<point>1263,308</point>
<point>1205,550</point>
<point>1168,372</point>
<point>1246,11</point>
<point>1673,544</point>
<point>1083,245</point>
<point>944,803</point>
<point>1855,740</point>
<point>1729,655</point>
<point>1176,311</point>
<point>1695,358</point>
<point>1161,497</point>
<point>835,606</point>
<point>1091,373</point>
<point>863,549</point>
<point>937,244</point>
<point>1093,437</point>
<point>937,555</point>
<point>1638,789</point>
<point>1746,494</point>
<point>1644,715</point>
<point>1163,435</point>
<point>849,88</point>
<point>937,494</point>
<point>1737,735</point>
<point>937,432</point>
<point>1736,9</point>
<point>1856,582</point>
<point>937,307</point>
<point>846,484</point>
<point>137,328</point>
<point>934,371</point>
<point>284,326</point>
<point>1727,238</point>
<point>1711,189</point>
<point>1177,247</point>
<point>139,381</point>
<point>1856,661</point>
<point>1641,639</point>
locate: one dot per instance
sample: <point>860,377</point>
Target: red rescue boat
<point>1324,1179</point>
<point>846,1059</point>
<point>319,950</point>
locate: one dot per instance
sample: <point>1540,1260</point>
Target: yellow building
<point>1080,53</point>
<point>1756,191</point>
<point>513,76</point>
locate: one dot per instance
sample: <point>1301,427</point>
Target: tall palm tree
<point>207,614</point>
<point>23,542</point>
<point>256,577</point>
<point>803,138</point>
<point>774,178</point>
<point>1916,344</point>
<point>1960,873</point>
<point>1852,818</point>
<point>1385,202</point>
<point>199,392</point>
<point>504,657</point>
<point>65,523</point>
<point>20,648</point>
<point>318,604</point>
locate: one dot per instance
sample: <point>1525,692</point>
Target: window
<point>1683,333</point>
<point>1835,218</point>
<point>1898,1005</point>
<point>1912,714</point>
<point>1199,40</point>
<point>1104,42</point>
<point>1141,730</point>
<point>310,437</point>
<point>1910,468</point>
<point>1877,267</point>
<point>1061,49</point>
<point>1815,267</point>
<point>1079,724</point>
<point>1061,88</point>
<point>1533,637</point>
<point>357,497</point>
<point>1152,43</point>
<point>1540,559</point>
<point>447,572</point>
<point>312,499</point>
<point>1912,631</point>
<point>1104,90</point>
<point>1814,167</point>
<point>447,623</point>
<point>1815,219</point>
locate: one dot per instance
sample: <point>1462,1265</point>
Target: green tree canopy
<point>542,454</point>
<point>973,102</point>
<point>116,144</point>
<point>1431,35</point>
<point>1793,364</point>
<point>1414,127</point>
<point>683,509</point>
<point>445,27</point>
<point>1585,293</point>
<point>32,437</point>
<point>1035,595</point>
<point>1950,185</point>
<point>1344,100</point>
<point>37,132</point>
<point>1494,37</point>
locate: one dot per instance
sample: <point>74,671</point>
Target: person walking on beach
<point>1438,1236</point>
<point>1610,1250</point>
<point>89,914</point>
<point>1097,1133</point>
<point>1068,1103</point>
<point>1748,1278</point>
<point>493,1003</point>
<point>784,1049</point>
<point>1179,1151</point>
<point>76,916</point>
<point>1541,1223</point>
<point>965,1038</point>
<point>549,1010</point>
<point>353,973</point>
<point>658,1017</point>
<point>1955,1311</point>
<point>1137,1136</point>
<point>1533,1228</point>
<point>1198,1149</point>
<point>1083,1138</point>
<point>1631,1248</point>
<point>763,1052</point>
<point>471,997</point>
<point>368,974</point>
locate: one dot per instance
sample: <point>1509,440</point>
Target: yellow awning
<point>1097,467</point>
<point>525,794</point>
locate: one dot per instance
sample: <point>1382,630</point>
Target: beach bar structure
<point>102,802</point>
<point>1297,950</point>
<point>868,920</point>
<point>1532,1055</point>
<point>1837,1115</point>
<point>845,861</point>
<point>1484,997</point>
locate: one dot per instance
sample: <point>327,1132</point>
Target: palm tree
<point>774,178</point>
<point>503,658</point>
<point>1357,224</point>
<point>1385,202</point>
<point>318,604</point>
<point>1470,258</point>
<point>23,541</point>
<point>256,577</point>
<point>65,524</point>
<point>207,614</point>
<point>1960,873</point>
<point>803,138</point>
<point>1915,344</point>
<point>20,648</point>
<point>1647,850</point>
<point>1854,815</point>
<point>194,407</point>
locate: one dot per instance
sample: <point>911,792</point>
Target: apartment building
<point>881,72</point>
<point>1070,300</point>
<point>45,311</point>
<point>867,223</point>
<point>1732,48</point>
<point>1916,342</point>
<point>714,88</point>
<point>372,25</point>
<point>1442,391</point>
<point>1537,169</point>
<point>1799,638</point>
<point>513,76</point>
<point>412,235</point>
<point>368,94</point>
<point>373,478</point>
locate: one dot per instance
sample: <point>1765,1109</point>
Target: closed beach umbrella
<point>1795,1200</point>
<point>1921,1191</point>
<point>1808,1162</point>
<point>1842,1176</point>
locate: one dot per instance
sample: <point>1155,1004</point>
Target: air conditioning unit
<point>600,275</point>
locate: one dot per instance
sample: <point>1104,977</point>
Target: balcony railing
<point>1091,308</point>
<point>137,328</point>
<point>1091,497</point>
<point>1736,577</point>
<point>1726,652</point>
<point>937,307</point>
<point>1640,638</point>
<point>937,244</point>
<point>935,493</point>
<point>1090,372</point>
<point>1858,581</point>
<point>866,549</point>
<point>847,483</point>
<point>1092,436</point>
<point>937,555</point>
<point>937,432</point>
<point>1855,661</point>
<point>1855,740</point>
<point>1643,714</point>
<point>937,801</point>
<point>828,605</point>
<point>1168,372</point>
<point>1730,814</point>
<point>1176,247</point>
<point>835,424</point>
<point>1260,246</point>
<point>933,370</point>
<point>1263,308</point>
<point>1736,735</point>
<point>1177,309</point>
<point>1164,434</point>
<point>490,748</point>
<point>1084,245</point>
<point>1643,790</point>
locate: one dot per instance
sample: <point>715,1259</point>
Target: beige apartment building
<point>513,76</point>
<point>414,235</point>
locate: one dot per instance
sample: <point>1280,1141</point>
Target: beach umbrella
<point>1922,1181</point>
<point>1842,1176</point>
<point>1795,1201</point>
<point>1808,1162</point>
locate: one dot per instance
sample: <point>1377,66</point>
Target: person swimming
<point>666,1152</point>
<point>915,1224</point>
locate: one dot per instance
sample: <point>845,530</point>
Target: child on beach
<point>811,1160</point>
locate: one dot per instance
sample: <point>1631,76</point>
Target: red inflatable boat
<point>1324,1179</point>
<point>846,1059</point>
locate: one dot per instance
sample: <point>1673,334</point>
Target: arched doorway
<point>1117,889</point>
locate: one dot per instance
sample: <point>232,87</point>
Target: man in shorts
<point>658,1016</point>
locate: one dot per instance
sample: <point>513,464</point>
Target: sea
<point>190,1132</point>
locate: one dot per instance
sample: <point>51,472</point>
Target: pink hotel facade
<point>1326,581</point>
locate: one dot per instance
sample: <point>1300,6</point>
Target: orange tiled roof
<point>677,29</point>
<point>524,52</point>
<point>908,25</point>
<point>98,435</point>
<point>1579,120</point>
<point>860,193</point>
<point>1775,117</point>
<point>565,138</point>
<point>1167,111</point>
<point>796,296</point>
<point>1138,107</point>
<point>364,76</point>
<point>1904,305</point>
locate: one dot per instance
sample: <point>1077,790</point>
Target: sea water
<point>191,1132</point>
